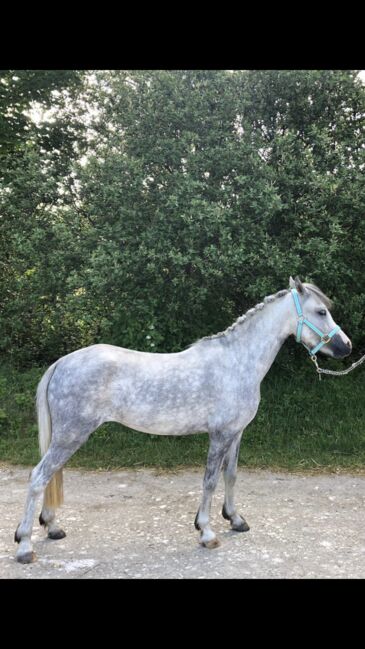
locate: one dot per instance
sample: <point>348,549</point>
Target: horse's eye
<point>322,312</point>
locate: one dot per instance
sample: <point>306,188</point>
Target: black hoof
<point>27,557</point>
<point>56,535</point>
<point>242,527</point>
<point>197,526</point>
<point>17,538</point>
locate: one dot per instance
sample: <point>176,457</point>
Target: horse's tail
<point>53,495</point>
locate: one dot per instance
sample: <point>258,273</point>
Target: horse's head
<point>315,327</point>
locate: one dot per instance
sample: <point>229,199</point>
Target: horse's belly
<point>170,423</point>
<point>167,402</point>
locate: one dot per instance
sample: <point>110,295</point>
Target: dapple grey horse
<point>213,386</point>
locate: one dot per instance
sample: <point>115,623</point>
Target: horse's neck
<point>260,339</point>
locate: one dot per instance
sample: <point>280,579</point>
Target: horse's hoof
<point>56,535</point>
<point>27,557</point>
<point>213,543</point>
<point>241,527</point>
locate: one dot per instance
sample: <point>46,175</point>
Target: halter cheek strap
<point>325,338</point>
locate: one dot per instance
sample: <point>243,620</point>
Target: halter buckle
<point>314,359</point>
<point>326,338</point>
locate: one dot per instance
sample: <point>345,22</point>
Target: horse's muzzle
<point>338,348</point>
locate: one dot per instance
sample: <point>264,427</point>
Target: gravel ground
<point>139,524</point>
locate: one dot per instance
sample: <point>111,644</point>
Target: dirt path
<point>139,524</point>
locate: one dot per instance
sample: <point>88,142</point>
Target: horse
<point>212,386</point>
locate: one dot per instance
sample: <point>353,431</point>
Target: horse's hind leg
<point>217,450</point>
<point>53,498</point>
<point>52,462</point>
<point>229,512</point>
<point>48,519</point>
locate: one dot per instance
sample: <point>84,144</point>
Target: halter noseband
<point>325,338</point>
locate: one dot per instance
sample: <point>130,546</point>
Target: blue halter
<point>325,338</point>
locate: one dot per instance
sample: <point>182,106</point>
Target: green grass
<point>302,423</point>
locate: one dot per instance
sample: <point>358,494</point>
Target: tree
<point>180,200</point>
<point>19,89</point>
<point>199,192</point>
<point>37,233</point>
<point>313,124</point>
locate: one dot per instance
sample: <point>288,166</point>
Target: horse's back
<point>103,360</point>
<point>151,392</point>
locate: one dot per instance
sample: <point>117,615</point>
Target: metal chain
<point>320,370</point>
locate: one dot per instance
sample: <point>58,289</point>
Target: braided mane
<point>267,300</point>
<point>251,312</point>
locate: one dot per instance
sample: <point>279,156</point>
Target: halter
<point>325,338</point>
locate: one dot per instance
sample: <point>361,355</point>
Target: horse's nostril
<point>349,344</point>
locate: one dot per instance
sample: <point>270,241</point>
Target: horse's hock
<point>139,524</point>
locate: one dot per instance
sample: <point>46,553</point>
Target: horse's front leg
<point>229,512</point>
<point>217,449</point>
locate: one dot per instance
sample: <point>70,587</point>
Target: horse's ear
<point>296,283</point>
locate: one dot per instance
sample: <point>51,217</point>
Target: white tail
<point>53,495</point>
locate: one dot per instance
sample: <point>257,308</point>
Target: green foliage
<point>200,192</point>
<point>18,428</point>
<point>19,89</point>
